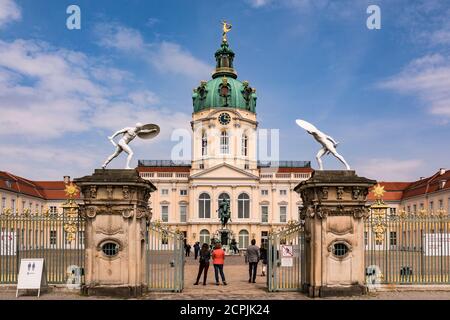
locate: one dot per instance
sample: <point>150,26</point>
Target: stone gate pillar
<point>116,210</point>
<point>334,208</point>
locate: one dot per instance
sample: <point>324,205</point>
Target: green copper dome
<point>224,90</point>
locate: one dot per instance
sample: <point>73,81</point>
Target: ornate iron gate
<point>286,267</point>
<point>165,259</point>
<point>406,248</point>
<point>59,239</point>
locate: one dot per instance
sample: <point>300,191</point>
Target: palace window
<point>23,205</point>
<point>3,203</point>
<point>283,192</point>
<point>441,204</point>
<point>283,213</point>
<point>393,238</point>
<point>415,208</point>
<point>431,207</point>
<point>204,206</point>
<point>264,239</point>
<point>223,196</point>
<point>243,206</point>
<point>224,143</point>
<point>264,192</point>
<point>53,210</point>
<point>409,209</point>
<point>244,145</point>
<point>164,192</point>
<point>204,144</point>
<point>205,237</point>
<point>52,237</point>
<point>183,192</point>
<point>165,213</point>
<point>13,205</point>
<point>243,239</point>
<point>366,238</point>
<point>183,213</point>
<point>264,214</point>
<point>392,211</point>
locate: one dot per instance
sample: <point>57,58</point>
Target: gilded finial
<point>226,27</point>
<point>378,191</point>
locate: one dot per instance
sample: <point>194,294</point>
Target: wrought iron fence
<point>407,249</point>
<point>59,239</point>
<point>165,259</point>
<point>286,267</point>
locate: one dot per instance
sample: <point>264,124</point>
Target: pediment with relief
<point>224,171</point>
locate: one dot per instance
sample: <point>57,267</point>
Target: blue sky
<point>384,94</point>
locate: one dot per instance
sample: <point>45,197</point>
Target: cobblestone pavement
<point>238,288</point>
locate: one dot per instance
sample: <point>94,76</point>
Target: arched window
<point>244,145</point>
<point>204,144</point>
<point>223,196</point>
<point>204,237</point>
<point>243,206</point>
<point>204,206</point>
<point>243,239</point>
<point>224,143</point>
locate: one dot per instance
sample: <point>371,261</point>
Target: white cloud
<point>259,3</point>
<point>388,169</point>
<point>9,12</point>
<point>47,92</point>
<point>43,162</point>
<point>166,57</point>
<point>428,78</point>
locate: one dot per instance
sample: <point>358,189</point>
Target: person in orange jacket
<point>218,256</point>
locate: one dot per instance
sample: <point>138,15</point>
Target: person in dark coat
<point>263,256</point>
<point>188,250</point>
<point>196,249</point>
<point>205,256</point>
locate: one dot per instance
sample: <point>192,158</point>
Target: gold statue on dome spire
<point>226,27</point>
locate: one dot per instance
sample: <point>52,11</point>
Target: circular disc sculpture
<point>148,131</point>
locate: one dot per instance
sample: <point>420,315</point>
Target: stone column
<point>116,208</point>
<point>334,208</point>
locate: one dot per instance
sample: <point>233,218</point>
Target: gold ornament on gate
<point>379,212</point>
<point>71,211</point>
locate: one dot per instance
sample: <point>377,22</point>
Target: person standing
<point>252,257</point>
<point>188,249</point>
<point>218,256</point>
<point>234,246</point>
<point>263,257</point>
<point>196,249</point>
<point>205,256</point>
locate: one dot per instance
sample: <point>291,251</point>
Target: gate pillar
<point>117,212</point>
<point>334,208</point>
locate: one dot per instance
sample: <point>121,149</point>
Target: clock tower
<point>224,119</point>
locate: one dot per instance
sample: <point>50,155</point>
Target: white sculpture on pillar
<point>147,131</point>
<point>328,143</point>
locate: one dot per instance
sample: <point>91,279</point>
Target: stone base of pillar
<point>114,291</point>
<point>331,291</point>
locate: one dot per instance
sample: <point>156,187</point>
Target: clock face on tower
<point>224,118</point>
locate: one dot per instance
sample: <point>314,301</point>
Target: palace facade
<point>225,165</point>
<point>426,196</point>
<point>20,195</point>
